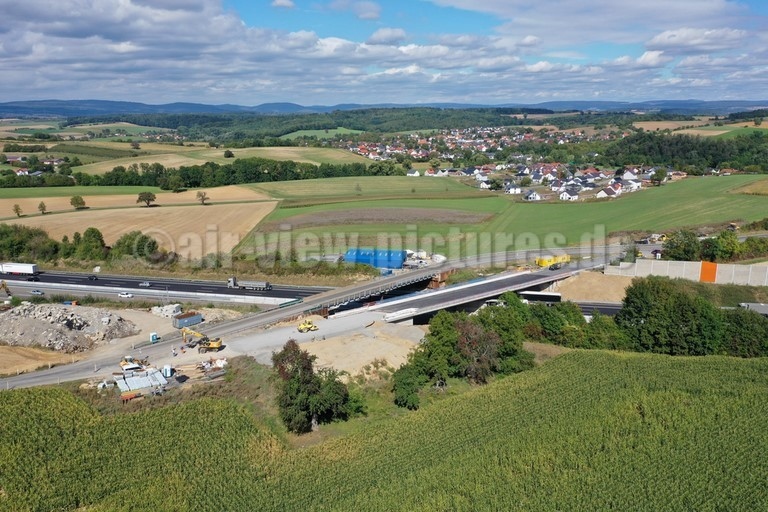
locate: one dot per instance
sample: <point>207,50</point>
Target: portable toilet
<point>167,371</point>
<point>153,337</point>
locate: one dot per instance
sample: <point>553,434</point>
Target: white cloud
<point>363,9</point>
<point>694,40</point>
<point>387,36</point>
<point>160,51</point>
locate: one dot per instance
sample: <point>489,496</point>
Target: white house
<point>569,195</point>
<point>513,189</point>
<point>609,192</point>
<point>413,172</point>
<point>532,195</point>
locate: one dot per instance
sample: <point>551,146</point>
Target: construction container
<point>187,319</point>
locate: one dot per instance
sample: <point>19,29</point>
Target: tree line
<point>658,315</point>
<point>694,154</point>
<point>686,245</point>
<point>210,174</point>
<point>22,243</point>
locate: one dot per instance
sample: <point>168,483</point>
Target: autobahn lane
<point>107,283</point>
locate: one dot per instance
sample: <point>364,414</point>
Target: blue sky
<point>325,52</point>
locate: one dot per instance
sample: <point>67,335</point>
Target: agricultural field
<point>652,126</point>
<point>186,230</point>
<point>320,134</point>
<point>56,199</point>
<point>508,224</point>
<point>366,187</point>
<point>726,131</point>
<point>16,127</point>
<point>179,222</point>
<point>585,431</point>
<point>177,156</point>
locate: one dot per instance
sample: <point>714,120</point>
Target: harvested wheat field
<point>191,231</point>
<point>230,193</point>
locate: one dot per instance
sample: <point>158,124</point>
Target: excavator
<point>204,344</point>
<point>4,286</point>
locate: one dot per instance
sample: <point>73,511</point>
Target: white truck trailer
<point>233,282</point>
<point>25,269</point>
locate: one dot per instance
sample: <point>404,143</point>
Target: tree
<point>42,207</point>
<point>146,198</point>
<point>682,245</point>
<point>661,315</point>
<point>135,244</point>
<point>175,183</point>
<point>17,210</point>
<point>659,176</point>
<point>202,196</point>
<point>135,145</point>
<point>304,397</point>
<point>77,202</point>
<point>228,154</point>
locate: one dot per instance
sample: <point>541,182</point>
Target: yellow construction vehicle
<point>130,363</point>
<point>307,326</point>
<point>201,341</point>
<point>4,286</point>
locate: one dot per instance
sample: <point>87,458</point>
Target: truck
<point>549,261</point>
<point>24,269</point>
<point>233,282</point>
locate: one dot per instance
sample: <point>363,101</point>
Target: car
<point>93,278</point>
<point>33,278</point>
<point>145,284</point>
<point>37,292</point>
<point>125,295</point>
<point>556,266</point>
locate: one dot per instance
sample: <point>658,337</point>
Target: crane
<point>203,342</point>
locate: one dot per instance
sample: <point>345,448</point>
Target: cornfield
<point>587,431</point>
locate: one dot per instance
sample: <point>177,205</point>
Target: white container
<point>167,371</point>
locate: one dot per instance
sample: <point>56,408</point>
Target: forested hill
<point>68,108</point>
<point>238,126</point>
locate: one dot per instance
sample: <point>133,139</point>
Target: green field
<point>516,225</point>
<point>587,431</point>
<point>367,187</point>
<point>320,134</point>
<point>24,193</point>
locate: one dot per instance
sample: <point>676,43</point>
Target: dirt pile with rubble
<point>62,328</point>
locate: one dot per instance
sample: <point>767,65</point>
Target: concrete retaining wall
<point>754,275</point>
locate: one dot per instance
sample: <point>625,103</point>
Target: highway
<point>110,285</point>
<point>311,303</point>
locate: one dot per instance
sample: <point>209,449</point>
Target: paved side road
<point>258,343</point>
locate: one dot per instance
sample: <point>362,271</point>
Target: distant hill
<point>71,108</point>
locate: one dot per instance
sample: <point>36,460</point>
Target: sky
<point>328,52</point>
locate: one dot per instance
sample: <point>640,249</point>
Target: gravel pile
<point>62,328</point>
